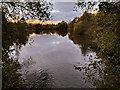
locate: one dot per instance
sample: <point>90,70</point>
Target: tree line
<point>100,32</point>
<point>60,28</point>
<point>18,33</point>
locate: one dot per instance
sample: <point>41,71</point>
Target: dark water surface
<point>48,61</point>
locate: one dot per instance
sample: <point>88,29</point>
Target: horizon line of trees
<point>100,32</point>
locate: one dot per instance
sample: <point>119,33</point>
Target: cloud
<point>64,0</point>
<point>56,42</point>
<point>64,11</point>
<point>64,16</point>
<point>55,11</point>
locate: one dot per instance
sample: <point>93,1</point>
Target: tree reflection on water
<point>17,33</point>
<point>34,78</point>
<point>101,72</point>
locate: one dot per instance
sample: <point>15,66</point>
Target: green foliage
<point>99,32</point>
<point>109,38</point>
<point>10,76</point>
<point>12,33</point>
<point>60,28</point>
<point>108,42</point>
<point>103,29</point>
<point>82,30</point>
<point>18,33</point>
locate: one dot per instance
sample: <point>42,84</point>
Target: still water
<point>48,61</point>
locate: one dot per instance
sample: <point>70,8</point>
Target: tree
<point>108,45</point>
<point>29,10</point>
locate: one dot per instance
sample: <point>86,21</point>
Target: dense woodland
<point>99,32</point>
<point>102,32</point>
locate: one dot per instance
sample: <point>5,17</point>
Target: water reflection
<point>56,55</point>
<point>55,59</point>
<point>36,78</point>
<point>49,59</point>
<point>83,41</point>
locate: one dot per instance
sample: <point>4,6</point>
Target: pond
<point>75,48</point>
<point>48,60</point>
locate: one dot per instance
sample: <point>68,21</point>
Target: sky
<point>64,0</point>
<point>64,11</point>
